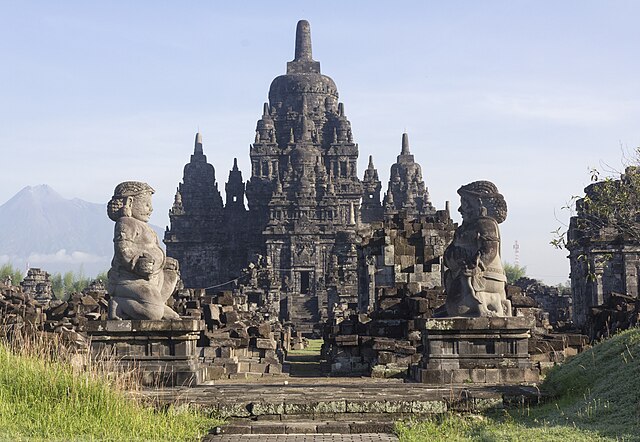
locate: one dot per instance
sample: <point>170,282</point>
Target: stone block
<point>264,330</point>
<point>214,372</point>
<point>256,367</point>
<point>266,408</point>
<point>478,375</point>
<point>334,428</point>
<point>347,340</point>
<point>356,406</point>
<point>337,406</point>
<point>269,428</point>
<point>456,376</point>
<point>385,357</point>
<point>300,428</point>
<point>267,344</point>
<point>492,375</point>
<point>428,407</point>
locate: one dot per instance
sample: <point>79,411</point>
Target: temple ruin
<point>307,209</point>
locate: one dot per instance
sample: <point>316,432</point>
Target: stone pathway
<point>367,437</point>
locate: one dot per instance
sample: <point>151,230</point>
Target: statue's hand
<point>144,266</point>
<point>474,266</point>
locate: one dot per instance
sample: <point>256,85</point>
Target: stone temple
<point>306,203</point>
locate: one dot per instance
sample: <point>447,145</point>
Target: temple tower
<point>371,206</point>
<point>304,192</point>
<point>406,191</point>
<point>196,235</point>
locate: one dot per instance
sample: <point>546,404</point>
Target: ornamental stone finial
<point>198,144</point>
<point>303,41</point>
<point>405,144</point>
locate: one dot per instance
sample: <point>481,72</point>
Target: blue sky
<point>527,94</point>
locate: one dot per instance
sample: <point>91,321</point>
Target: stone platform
<point>337,399</point>
<point>164,352</point>
<point>475,351</point>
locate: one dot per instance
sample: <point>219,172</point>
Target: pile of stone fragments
<point>401,273</point>
<point>385,342</point>
<point>618,312</point>
<point>242,338</point>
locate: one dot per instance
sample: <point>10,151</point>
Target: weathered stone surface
<point>164,352</point>
<point>141,278</point>
<point>475,280</point>
<point>480,350</point>
<point>604,254</point>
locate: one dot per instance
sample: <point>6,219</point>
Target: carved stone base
<point>475,350</point>
<point>164,352</point>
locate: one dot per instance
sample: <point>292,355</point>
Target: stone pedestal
<point>475,350</point>
<point>165,352</point>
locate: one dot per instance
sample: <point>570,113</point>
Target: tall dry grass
<point>51,390</point>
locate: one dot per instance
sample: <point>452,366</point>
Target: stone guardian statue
<point>142,277</point>
<point>475,281</point>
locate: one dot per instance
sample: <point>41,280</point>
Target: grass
<point>44,397</point>
<point>596,397</point>
<point>312,349</point>
<point>306,362</point>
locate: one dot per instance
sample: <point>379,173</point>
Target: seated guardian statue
<point>142,277</point>
<point>475,281</point>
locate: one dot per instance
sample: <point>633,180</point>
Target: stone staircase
<point>305,427</point>
<point>333,406</point>
<point>304,314</point>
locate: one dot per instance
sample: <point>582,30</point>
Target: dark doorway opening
<point>305,282</point>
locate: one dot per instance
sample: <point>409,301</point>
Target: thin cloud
<point>61,256</point>
<point>561,110</point>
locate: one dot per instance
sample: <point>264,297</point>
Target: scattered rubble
<point>242,338</point>
<point>619,312</point>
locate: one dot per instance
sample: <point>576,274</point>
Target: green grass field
<point>44,399</point>
<point>596,396</point>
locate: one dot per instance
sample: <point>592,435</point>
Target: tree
<point>70,282</point>
<point>609,210</point>
<point>514,272</point>
<point>7,269</point>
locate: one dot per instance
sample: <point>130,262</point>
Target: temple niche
<point>307,212</point>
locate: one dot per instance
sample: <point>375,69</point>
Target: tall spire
<point>303,41</point>
<point>198,145</point>
<point>302,62</point>
<point>405,144</point>
<point>371,166</point>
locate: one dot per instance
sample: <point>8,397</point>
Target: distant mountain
<point>43,229</point>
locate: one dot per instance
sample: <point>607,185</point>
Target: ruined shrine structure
<point>305,201</point>
<point>604,257</point>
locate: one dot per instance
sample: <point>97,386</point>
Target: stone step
<point>339,399</point>
<point>321,437</point>
<point>305,427</point>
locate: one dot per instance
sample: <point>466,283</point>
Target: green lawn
<point>596,396</point>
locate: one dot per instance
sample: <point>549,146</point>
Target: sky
<point>527,94</point>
